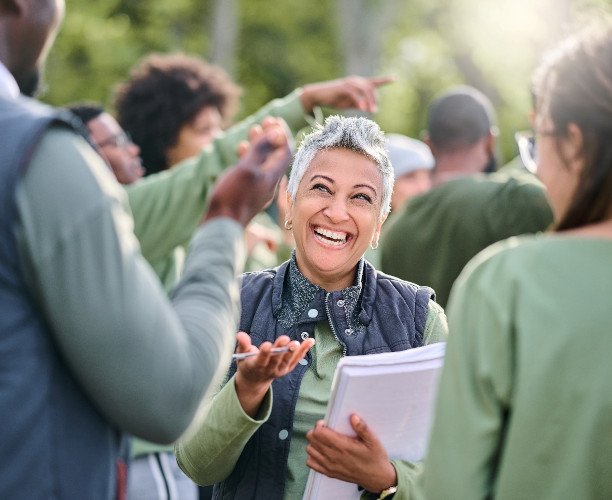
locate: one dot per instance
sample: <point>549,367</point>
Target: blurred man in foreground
<point>90,346</point>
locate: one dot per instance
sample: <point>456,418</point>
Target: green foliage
<point>100,41</point>
<point>283,44</point>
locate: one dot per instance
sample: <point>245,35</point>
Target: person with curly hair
<point>173,105</point>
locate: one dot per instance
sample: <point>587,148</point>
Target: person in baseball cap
<point>412,163</point>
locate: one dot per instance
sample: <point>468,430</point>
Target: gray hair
<point>355,133</point>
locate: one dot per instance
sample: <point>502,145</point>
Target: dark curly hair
<point>166,92</point>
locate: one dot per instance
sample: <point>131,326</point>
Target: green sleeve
<point>530,210</point>
<point>168,206</point>
<point>436,326</point>
<point>210,449</point>
<point>475,385</point>
<point>145,363</point>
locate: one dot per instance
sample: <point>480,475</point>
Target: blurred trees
<point>272,46</point>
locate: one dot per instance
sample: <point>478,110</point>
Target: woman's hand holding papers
<point>359,459</point>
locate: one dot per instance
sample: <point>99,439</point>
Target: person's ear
<point>376,235</point>
<point>572,145</point>
<point>289,201</point>
<point>490,142</point>
<point>12,7</point>
<point>288,209</point>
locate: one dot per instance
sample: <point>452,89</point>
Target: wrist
<point>386,484</point>
<point>387,492</point>
<point>306,100</point>
<point>250,395</point>
<point>226,211</point>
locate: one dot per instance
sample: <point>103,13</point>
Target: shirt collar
<point>298,294</point>
<point>8,84</point>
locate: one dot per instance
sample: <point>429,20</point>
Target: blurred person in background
<point>173,105</point>
<point>111,141</point>
<point>412,164</point>
<point>432,238</point>
<point>525,404</point>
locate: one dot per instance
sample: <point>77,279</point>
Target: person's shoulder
<point>66,176</point>
<point>509,255</point>
<point>70,156</point>
<point>262,277</point>
<point>390,282</point>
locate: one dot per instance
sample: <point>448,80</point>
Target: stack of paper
<point>394,393</point>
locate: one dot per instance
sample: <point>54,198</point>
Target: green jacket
<point>524,406</point>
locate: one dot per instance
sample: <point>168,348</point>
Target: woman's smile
<point>329,237</point>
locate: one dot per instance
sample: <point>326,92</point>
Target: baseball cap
<point>407,154</point>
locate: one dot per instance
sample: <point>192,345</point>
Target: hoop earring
<point>374,246</point>
<point>288,225</point>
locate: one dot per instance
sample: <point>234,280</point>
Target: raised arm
<point>144,362</point>
<point>167,206</point>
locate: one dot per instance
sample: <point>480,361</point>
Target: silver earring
<point>288,225</point>
<point>374,246</point>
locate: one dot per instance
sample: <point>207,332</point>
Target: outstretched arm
<point>355,92</point>
<point>145,363</point>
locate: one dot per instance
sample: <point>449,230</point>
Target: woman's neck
<point>329,283</point>
<point>601,229</point>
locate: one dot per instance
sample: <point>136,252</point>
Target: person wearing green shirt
<point>167,206</point>
<point>92,347</point>
<point>435,235</point>
<point>258,428</point>
<point>525,403</point>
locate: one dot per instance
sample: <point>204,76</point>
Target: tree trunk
<point>224,34</point>
<point>362,24</point>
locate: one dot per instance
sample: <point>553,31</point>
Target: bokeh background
<point>270,47</point>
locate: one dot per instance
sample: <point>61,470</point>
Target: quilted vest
<point>53,442</point>
<point>394,313</point>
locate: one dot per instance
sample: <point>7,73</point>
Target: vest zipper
<point>331,323</point>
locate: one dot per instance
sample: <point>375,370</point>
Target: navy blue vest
<point>53,443</point>
<point>394,313</point>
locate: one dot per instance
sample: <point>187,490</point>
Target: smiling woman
<point>254,445</point>
<point>336,214</point>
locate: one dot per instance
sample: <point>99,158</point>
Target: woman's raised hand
<point>255,374</point>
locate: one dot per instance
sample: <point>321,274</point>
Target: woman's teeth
<point>330,237</point>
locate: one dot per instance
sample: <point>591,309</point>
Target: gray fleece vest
<point>53,443</point>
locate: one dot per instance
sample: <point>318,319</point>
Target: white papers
<point>395,395</point>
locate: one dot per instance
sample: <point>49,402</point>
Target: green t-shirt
<point>525,402</point>
<point>436,234</point>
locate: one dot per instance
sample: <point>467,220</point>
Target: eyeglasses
<point>528,149</point>
<point>120,140</point>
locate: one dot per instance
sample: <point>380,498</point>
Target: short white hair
<point>355,133</point>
